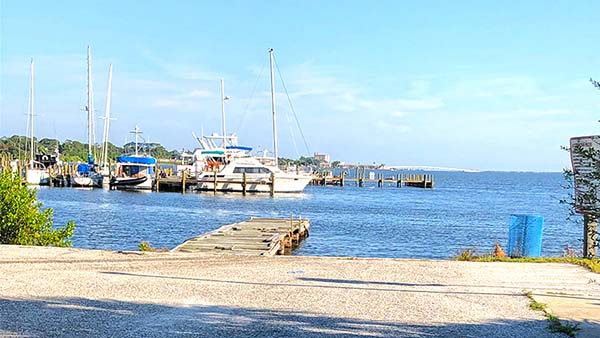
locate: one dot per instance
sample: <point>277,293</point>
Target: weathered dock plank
<point>257,237</point>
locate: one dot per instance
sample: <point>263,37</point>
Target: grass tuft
<point>556,325</point>
<point>535,305</point>
<point>466,255</point>
<point>145,246</point>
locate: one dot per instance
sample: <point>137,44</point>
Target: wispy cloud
<point>179,69</point>
<point>332,92</point>
<point>188,101</point>
<point>489,87</point>
<point>392,126</point>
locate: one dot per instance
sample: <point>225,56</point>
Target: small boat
<point>86,176</point>
<point>134,172</point>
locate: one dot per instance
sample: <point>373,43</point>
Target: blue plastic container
<point>525,236</point>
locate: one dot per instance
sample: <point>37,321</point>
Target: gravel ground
<point>52,292</point>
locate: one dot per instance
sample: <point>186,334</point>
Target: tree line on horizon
<point>17,147</point>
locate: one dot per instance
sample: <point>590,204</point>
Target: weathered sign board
<point>585,159</point>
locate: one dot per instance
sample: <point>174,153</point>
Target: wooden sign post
<point>585,161</point>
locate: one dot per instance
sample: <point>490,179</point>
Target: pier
<point>175,183</point>
<point>255,237</point>
<point>360,179</point>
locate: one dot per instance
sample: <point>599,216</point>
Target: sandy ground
<point>52,292</point>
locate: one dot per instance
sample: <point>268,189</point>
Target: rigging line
<point>245,112</point>
<point>287,116</point>
<point>292,107</point>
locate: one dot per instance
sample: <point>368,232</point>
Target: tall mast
<point>136,131</point>
<point>223,98</point>
<point>107,117</point>
<point>31,113</point>
<point>273,108</point>
<point>90,103</point>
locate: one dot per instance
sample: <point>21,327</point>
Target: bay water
<point>464,210</point>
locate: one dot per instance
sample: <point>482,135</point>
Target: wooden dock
<point>255,237</point>
<point>360,179</point>
<point>175,183</point>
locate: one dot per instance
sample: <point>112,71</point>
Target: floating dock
<point>255,237</point>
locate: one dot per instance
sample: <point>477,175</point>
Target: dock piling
<point>244,183</point>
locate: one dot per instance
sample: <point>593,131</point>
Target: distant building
<point>322,157</point>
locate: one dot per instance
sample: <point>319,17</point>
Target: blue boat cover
<point>136,159</point>
<point>240,148</point>
<point>83,168</point>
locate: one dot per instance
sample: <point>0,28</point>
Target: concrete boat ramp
<point>255,237</point>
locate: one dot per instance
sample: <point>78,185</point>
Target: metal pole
<point>273,107</point>
<point>89,98</point>
<point>223,98</point>
<point>31,111</point>
<point>107,116</point>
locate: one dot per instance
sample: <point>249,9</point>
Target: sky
<point>487,85</point>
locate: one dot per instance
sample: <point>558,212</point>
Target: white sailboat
<point>86,175</point>
<point>36,173</point>
<point>231,163</point>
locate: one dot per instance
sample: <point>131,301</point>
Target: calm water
<point>464,210</point>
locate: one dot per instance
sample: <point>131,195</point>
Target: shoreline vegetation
<point>23,222</point>
<point>469,255</point>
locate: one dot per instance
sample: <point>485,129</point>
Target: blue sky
<point>490,85</point>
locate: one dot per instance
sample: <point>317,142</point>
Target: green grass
<point>534,305</point>
<point>145,246</point>
<point>556,325</point>
<point>593,264</point>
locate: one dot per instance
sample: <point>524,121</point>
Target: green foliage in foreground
<point>591,263</point>
<point>21,220</point>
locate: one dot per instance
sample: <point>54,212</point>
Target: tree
<point>21,220</point>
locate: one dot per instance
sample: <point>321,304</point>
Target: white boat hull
<point>86,181</point>
<point>120,183</point>
<point>283,184</point>
<point>37,177</point>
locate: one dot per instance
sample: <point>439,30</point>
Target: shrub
<point>21,220</point>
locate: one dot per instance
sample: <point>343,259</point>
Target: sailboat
<point>231,163</point>
<point>86,175</point>
<point>36,172</point>
<point>134,172</point>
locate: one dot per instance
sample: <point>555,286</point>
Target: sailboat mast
<point>273,108</point>
<point>31,151</point>
<point>136,131</point>
<point>89,101</point>
<point>107,117</point>
<point>223,113</point>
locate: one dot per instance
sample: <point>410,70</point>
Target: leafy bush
<point>21,220</point>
